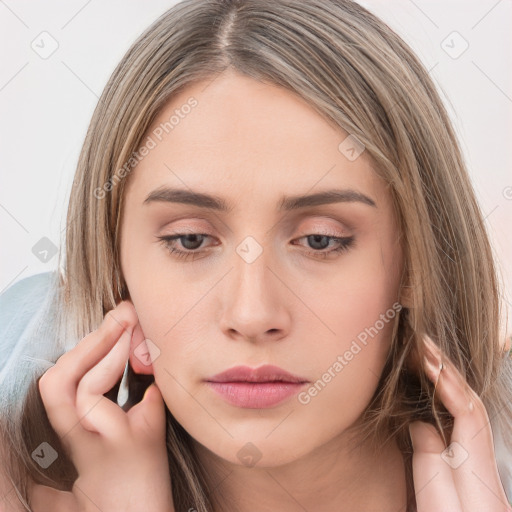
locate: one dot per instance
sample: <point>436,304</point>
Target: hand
<point>464,476</point>
<point>121,457</point>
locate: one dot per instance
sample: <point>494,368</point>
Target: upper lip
<point>265,373</point>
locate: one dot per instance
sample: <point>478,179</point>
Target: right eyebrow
<point>182,196</point>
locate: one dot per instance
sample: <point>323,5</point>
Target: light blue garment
<point>18,305</point>
<point>28,347</point>
<point>22,351</point>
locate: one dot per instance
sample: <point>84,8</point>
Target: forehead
<point>239,134</point>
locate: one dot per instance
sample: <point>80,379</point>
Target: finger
<point>93,347</point>
<point>97,413</point>
<point>46,499</point>
<point>433,483</point>
<point>58,385</point>
<point>147,418</point>
<point>471,452</point>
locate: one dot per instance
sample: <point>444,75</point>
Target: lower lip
<point>255,395</point>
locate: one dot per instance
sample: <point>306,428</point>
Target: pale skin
<point>250,144</point>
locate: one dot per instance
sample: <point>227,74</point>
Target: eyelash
<point>345,243</point>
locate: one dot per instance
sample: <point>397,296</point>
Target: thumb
<point>148,416</point>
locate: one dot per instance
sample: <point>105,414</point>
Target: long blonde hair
<point>360,76</point>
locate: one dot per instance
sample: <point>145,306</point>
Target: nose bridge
<point>253,303</point>
<point>251,262</point>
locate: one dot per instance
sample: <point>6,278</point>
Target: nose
<point>255,299</point>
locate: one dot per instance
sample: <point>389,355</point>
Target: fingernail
<point>433,370</point>
<point>432,353</point>
<point>148,392</point>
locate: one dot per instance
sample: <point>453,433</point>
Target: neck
<point>335,476</point>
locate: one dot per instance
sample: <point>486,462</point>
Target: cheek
<point>367,314</point>
<point>348,361</point>
<point>358,296</point>
<point>358,309</point>
<point>151,280</point>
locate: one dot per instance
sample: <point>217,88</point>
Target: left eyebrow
<point>287,203</point>
<point>325,197</point>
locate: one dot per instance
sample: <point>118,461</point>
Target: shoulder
<point>18,293</point>
<point>18,304</point>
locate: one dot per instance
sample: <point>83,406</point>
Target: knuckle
<point>46,383</point>
<point>475,408</point>
<point>47,376</point>
<point>123,314</point>
<point>63,359</point>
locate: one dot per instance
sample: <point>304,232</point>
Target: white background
<point>46,104</point>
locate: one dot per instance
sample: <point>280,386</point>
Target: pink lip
<point>265,373</point>
<point>256,388</point>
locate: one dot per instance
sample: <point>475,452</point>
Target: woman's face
<point>252,284</point>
